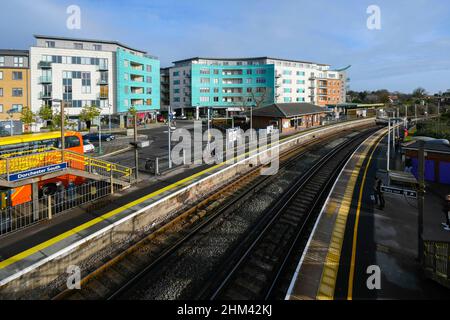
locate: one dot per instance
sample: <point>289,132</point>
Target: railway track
<point>113,277</point>
<point>256,268</point>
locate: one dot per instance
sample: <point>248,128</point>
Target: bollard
<point>49,206</point>
<point>111,181</point>
<point>157,166</point>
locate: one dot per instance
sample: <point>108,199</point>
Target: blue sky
<point>412,48</point>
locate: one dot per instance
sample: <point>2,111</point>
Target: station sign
<point>399,191</point>
<point>37,172</point>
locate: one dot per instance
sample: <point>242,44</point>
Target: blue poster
<point>37,172</point>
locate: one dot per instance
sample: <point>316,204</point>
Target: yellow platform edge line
<point>355,229</point>
<point>326,290</point>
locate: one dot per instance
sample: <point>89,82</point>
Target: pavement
<point>354,244</point>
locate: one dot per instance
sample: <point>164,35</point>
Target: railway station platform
<point>357,251</point>
<point>67,239</point>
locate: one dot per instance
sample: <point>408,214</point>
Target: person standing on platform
<point>379,198</point>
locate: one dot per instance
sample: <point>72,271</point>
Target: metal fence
<point>46,207</point>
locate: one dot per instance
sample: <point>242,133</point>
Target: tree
<point>27,117</point>
<point>46,114</point>
<point>89,113</point>
<point>419,93</point>
<point>57,119</point>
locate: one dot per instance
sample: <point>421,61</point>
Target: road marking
<point>355,228</point>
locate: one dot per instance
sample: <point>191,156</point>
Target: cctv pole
<point>136,152</point>
<point>421,196</point>
<point>388,145</point>
<point>63,142</point>
<point>170,146</point>
<point>100,134</point>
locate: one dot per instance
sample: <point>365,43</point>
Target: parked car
<point>88,146</point>
<point>96,137</point>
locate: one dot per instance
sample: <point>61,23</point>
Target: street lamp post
<point>169,116</point>
<point>61,111</point>
<point>110,111</point>
<point>100,151</point>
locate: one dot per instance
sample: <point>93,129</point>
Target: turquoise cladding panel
<point>250,72</point>
<point>154,74</point>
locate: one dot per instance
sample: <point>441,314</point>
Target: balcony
<point>44,65</point>
<point>102,82</point>
<point>102,67</point>
<point>102,95</point>
<point>45,95</point>
<point>45,79</point>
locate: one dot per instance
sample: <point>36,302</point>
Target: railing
<point>19,162</point>
<point>102,68</point>
<point>44,65</point>
<point>436,261</point>
<point>46,207</point>
<point>45,95</point>
<point>45,79</point>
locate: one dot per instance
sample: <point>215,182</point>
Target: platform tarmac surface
<point>334,266</point>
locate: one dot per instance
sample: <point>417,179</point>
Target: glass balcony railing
<point>102,67</point>
<point>45,79</point>
<point>45,95</point>
<point>102,95</point>
<point>102,82</point>
<point>44,65</point>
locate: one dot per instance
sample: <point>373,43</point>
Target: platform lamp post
<point>61,113</point>
<point>110,111</point>
<point>169,117</point>
<point>11,124</point>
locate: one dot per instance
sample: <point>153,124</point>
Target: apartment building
<point>80,72</point>
<point>14,83</point>
<point>239,83</point>
<point>165,88</point>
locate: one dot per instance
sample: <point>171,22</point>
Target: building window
<point>216,81</point>
<point>1,108</point>
<point>249,71</point>
<point>149,79</point>
<point>86,82</point>
<point>1,75</point>
<point>287,99</point>
<point>149,90</point>
<point>50,44</point>
<point>17,75</point>
<point>18,61</point>
<point>216,71</point>
<point>2,61</point>
<point>287,90</point>
<point>1,92</point>
<point>126,63</point>
<point>260,80</point>
<point>17,92</point>
<point>216,90</point>
<point>300,81</point>
<point>204,71</point>
<point>216,99</point>
<point>260,71</point>
<point>176,90</point>
<point>248,80</point>
<point>287,72</point>
<point>176,99</point>
<point>287,81</point>
<point>125,102</point>
<point>78,46</point>
<point>300,73</point>
<point>249,90</point>
<point>176,82</point>
<point>97,47</point>
<point>204,80</point>
<point>126,89</point>
<point>149,68</point>
<point>204,99</point>
<point>176,73</point>
<point>204,90</point>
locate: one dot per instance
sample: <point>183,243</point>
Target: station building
<point>14,83</point>
<point>237,84</point>
<point>288,117</point>
<point>437,161</point>
<point>107,74</point>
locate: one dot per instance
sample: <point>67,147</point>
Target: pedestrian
<point>379,198</point>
